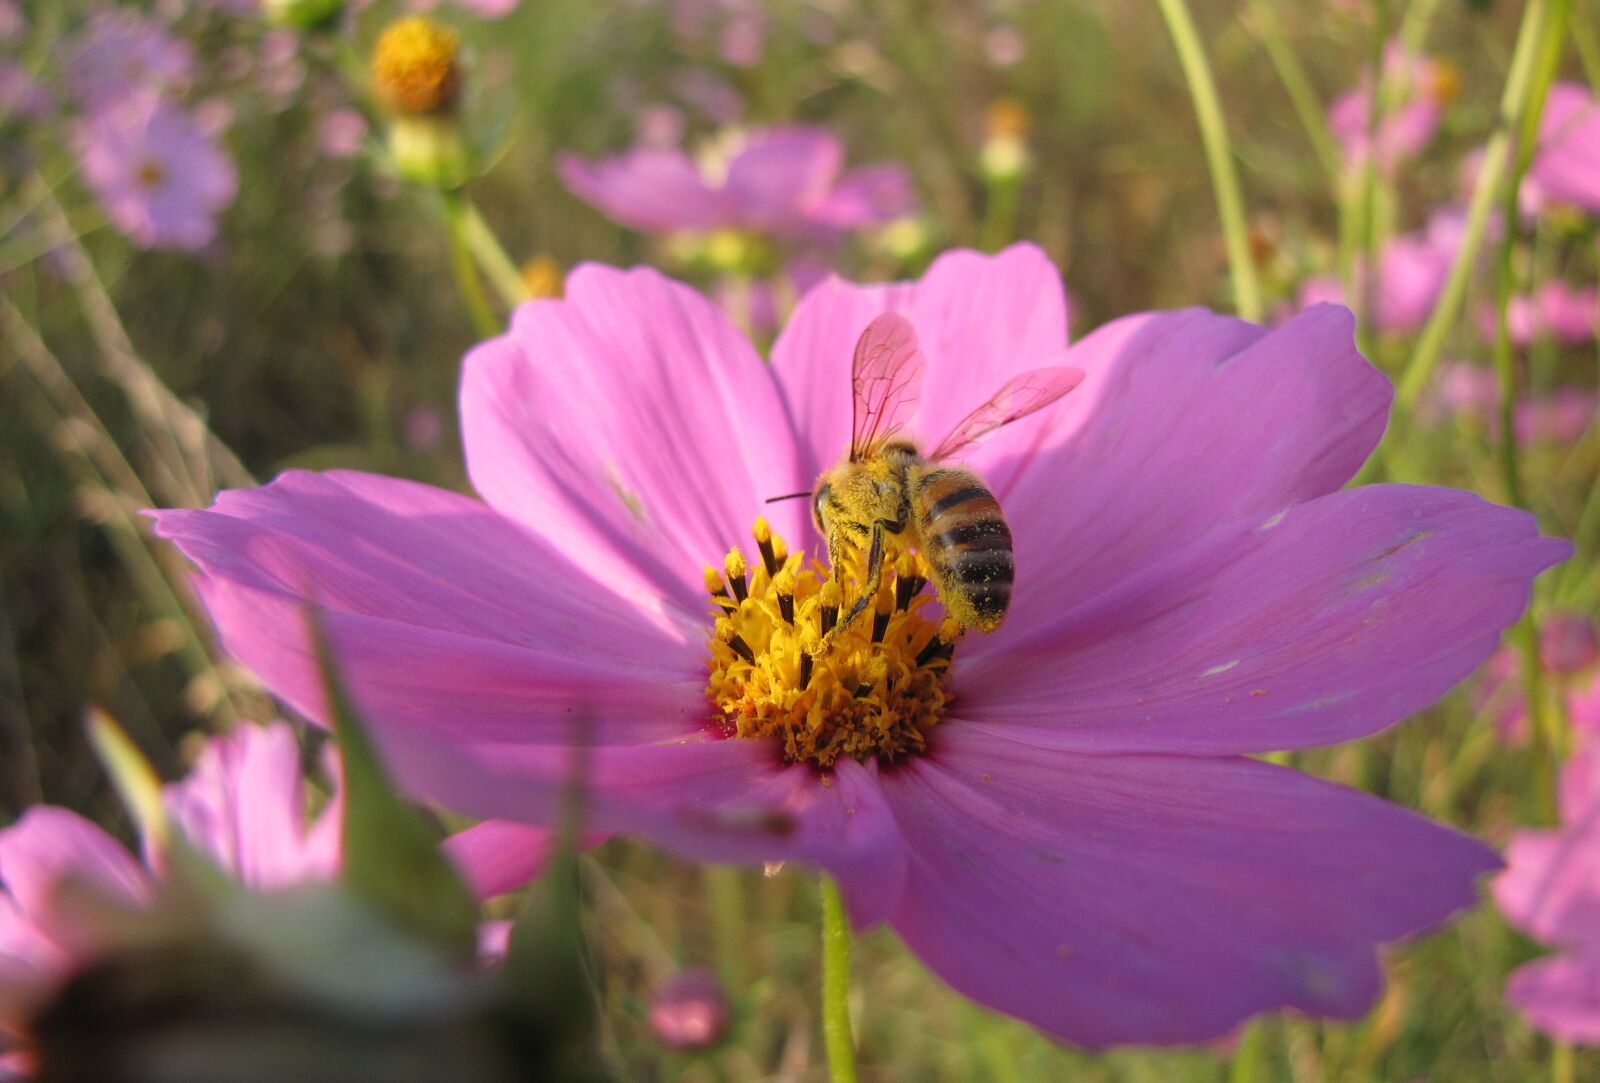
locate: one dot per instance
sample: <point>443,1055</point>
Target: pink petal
<point>496,856</point>
<point>865,197</point>
<point>980,319</point>
<point>1551,887</point>
<point>651,190</point>
<point>441,611</point>
<point>50,846</point>
<point>726,801</point>
<point>782,171</point>
<point>1560,996</point>
<point>1322,623</point>
<point>1185,421</point>
<point>632,423</point>
<point>245,803</point>
<point>1119,899</point>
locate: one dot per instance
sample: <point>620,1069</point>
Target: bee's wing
<point>1017,398</point>
<point>885,381</point>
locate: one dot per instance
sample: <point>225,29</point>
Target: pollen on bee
<point>871,691</point>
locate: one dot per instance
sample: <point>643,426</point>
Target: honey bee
<point>886,487</point>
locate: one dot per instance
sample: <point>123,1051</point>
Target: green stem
<point>478,306</point>
<point>1292,74</point>
<point>1219,155</point>
<point>1513,102</point>
<point>1563,1064</point>
<point>502,272</point>
<point>836,986</point>
<point>1246,1064</point>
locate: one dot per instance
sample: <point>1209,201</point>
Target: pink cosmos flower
<point>1471,392</point>
<point>1551,891</point>
<point>1082,838</point>
<point>243,805</point>
<point>1412,271</point>
<point>160,177</point>
<point>784,181</point>
<point>1571,661</point>
<point>1568,314</point>
<point>1566,168</point>
<point>1422,87</point>
<point>122,53</point>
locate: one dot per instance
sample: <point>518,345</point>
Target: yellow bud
<point>733,563</point>
<point>543,277</point>
<point>762,530</point>
<point>414,67</point>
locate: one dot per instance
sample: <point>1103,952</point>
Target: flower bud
<point>1005,155</point>
<point>1567,643</point>
<point>430,150</point>
<point>414,67</point>
<point>690,1011</point>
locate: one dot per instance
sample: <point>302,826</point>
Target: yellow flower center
<point>872,690</point>
<point>414,66</point>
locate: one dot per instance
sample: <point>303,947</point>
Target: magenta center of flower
<point>871,690</point>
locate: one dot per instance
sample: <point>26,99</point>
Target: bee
<point>885,487</point>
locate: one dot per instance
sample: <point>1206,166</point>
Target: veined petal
<point>1325,622</point>
<point>728,801</point>
<point>439,609</point>
<point>634,424</point>
<point>244,802</point>
<point>1118,899</point>
<point>980,320</point>
<point>1185,421</point>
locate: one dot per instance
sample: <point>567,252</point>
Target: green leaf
<point>391,852</point>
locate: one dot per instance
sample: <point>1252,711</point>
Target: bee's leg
<point>874,578</point>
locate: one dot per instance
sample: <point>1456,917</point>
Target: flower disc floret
<point>414,66</point>
<point>872,691</point>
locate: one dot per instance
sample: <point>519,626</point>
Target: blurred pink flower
<point>1551,891</point>
<point>1471,392</point>
<point>21,95</point>
<point>12,22</point>
<point>785,181</point>
<point>161,179</point>
<point>1566,313</point>
<point>1422,86</point>
<point>244,805</point>
<point>1567,653</point>
<point>1557,418</point>
<point>1086,841</point>
<point>121,53</point>
<point>341,133</point>
<point>1412,270</point>
<point>690,1010</point>
<point>488,9</point>
<point>1566,167</point>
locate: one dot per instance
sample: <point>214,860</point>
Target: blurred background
<point>308,306</point>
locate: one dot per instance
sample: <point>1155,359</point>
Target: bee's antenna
<point>788,496</point>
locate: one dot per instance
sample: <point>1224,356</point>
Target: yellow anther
<point>782,668</point>
<point>762,530</point>
<point>714,584</point>
<point>414,66</point>
<point>779,549</point>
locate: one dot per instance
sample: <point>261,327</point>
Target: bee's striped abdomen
<point>967,543</point>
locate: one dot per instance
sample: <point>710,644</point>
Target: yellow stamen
<point>414,66</point>
<point>872,693</point>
